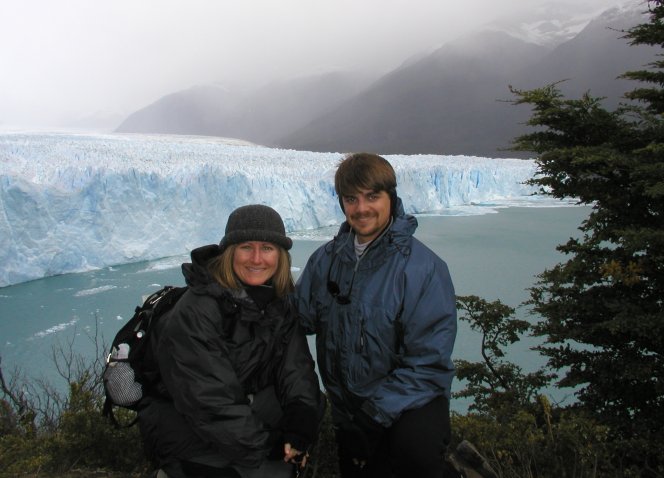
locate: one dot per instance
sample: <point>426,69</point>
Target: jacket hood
<point>196,273</point>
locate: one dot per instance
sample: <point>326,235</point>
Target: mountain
<point>260,116</point>
<point>595,58</point>
<point>454,100</point>
<point>547,24</point>
<point>444,103</point>
<point>450,102</point>
<point>192,111</point>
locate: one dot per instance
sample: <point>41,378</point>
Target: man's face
<point>367,212</point>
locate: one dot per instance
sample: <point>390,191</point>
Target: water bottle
<point>120,380</point>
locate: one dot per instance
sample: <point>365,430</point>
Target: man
<point>382,306</point>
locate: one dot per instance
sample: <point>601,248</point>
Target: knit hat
<point>255,222</point>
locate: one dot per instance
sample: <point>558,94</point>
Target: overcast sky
<point>63,59</point>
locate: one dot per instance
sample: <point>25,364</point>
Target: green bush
<point>86,439</point>
<point>82,439</point>
<point>535,443</point>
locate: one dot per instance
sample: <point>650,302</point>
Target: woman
<point>238,394</point>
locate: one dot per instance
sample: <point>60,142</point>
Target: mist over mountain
<point>454,100</point>
<point>548,24</point>
<point>594,59</point>
<point>439,104</point>
<point>192,111</point>
<point>261,116</point>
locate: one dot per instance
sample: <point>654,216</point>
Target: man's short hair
<point>364,171</point>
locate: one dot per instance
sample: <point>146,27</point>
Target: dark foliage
<point>603,320</point>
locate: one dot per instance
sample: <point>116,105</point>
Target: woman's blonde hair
<point>221,269</point>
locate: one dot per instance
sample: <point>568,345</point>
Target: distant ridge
<point>454,100</point>
<point>260,116</point>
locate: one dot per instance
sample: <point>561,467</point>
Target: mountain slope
<point>197,110</point>
<point>595,58</point>
<point>449,102</point>
<point>259,116</point>
<point>452,101</point>
<point>444,103</point>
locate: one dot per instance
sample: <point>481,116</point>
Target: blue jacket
<point>388,350</point>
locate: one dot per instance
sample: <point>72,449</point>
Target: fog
<point>61,61</point>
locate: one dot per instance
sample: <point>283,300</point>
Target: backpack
<point>131,370</point>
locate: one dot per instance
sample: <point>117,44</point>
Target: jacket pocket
<point>372,342</point>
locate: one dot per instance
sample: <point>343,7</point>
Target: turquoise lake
<point>494,256</point>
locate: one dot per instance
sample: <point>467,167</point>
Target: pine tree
<point>602,310</point>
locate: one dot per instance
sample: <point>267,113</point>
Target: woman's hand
<point>293,455</point>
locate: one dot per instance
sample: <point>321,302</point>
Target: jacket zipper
<point>362,334</point>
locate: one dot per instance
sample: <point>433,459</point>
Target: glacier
<point>72,202</point>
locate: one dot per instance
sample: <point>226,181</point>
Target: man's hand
<point>360,463</point>
<point>361,438</point>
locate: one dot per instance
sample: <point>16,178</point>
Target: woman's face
<point>255,262</point>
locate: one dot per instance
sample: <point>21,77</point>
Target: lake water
<point>494,256</point>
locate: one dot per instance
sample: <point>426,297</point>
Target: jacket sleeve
<point>299,390</point>
<point>197,373</point>
<point>305,298</point>
<point>429,330</point>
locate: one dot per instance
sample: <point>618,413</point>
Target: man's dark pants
<point>414,445</point>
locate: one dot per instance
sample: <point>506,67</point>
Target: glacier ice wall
<point>70,203</point>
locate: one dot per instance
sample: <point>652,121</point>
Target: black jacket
<point>217,348</point>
